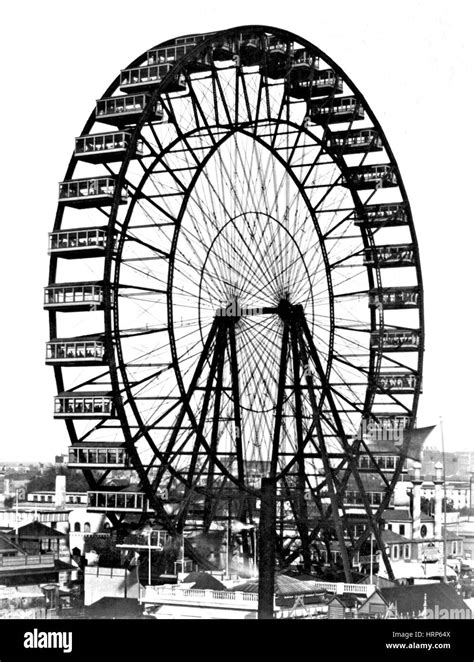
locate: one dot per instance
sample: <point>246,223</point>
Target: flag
<point>417,438</point>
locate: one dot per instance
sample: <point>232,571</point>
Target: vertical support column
<point>373,523</point>
<point>228,551</point>
<point>266,543</point>
<point>336,516</point>
<point>243,512</point>
<point>300,502</point>
<point>220,353</point>
<point>416,502</point>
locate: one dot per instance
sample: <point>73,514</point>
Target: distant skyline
<point>412,61</point>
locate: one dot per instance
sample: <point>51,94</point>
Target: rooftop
<point>115,608</point>
<point>37,530</point>
<point>389,537</point>
<point>203,581</point>
<point>410,599</point>
<point>403,515</point>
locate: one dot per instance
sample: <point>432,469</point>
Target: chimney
<point>60,494</point>
<point>438,481</point>
<point>417,501</point>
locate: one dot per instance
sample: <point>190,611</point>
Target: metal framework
<point>234,272</point>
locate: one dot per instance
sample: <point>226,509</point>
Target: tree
<point>109,555</point>
<point>75,481</point>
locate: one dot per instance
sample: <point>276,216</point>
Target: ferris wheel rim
<point>180,65</point>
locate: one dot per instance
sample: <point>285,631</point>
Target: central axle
<point>285,310</point>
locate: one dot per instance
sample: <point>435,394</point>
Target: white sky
<point>412,60</point>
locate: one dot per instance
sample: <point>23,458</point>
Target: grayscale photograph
<point>236,384</point>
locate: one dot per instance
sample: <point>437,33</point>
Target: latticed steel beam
<point>333,495</point>
<point>347,448</point>
<point>301,506</point>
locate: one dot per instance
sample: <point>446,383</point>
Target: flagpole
<point>254,550</point>
<point>227,552</point>
<point>371,557</point>
<point>444,493</point>
<point>229,521</point>
<point>16,509</point>
<point>149,557</point>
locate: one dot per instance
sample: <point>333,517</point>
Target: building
<point>458,464</point>
<point>434,601</point>
<point>33,578</point>
<point>57,518</point>
<point>37,538</point>
<point>463,528</point>
<point>351,605</point>
<point>48,496</point>
<point>397,546</point>
<point>293,598</point>
<point>18,568</point>
<point>60,497</point>
<point>423,539</point>
<point>414,541</point>
<point>458,493</point>
<point>23,602</point>
<point>82,525</point>
<point>115,608</point>
<point>100,582</point>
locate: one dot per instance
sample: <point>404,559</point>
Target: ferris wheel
<point>235,294</point>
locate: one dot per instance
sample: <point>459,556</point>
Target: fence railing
<point>179,594</point>
<point>204,597</point>
<point>340,587</point>
<point>28,560</point>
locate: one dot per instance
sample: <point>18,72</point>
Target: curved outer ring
<point>288,36</point>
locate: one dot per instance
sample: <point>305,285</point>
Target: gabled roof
<point>372,595</point>
<point>38,530</point>
<point>115,608</point>
<point>203,581</point>
<point>411,598</point>
<point>284,586</point>
<point>346,599</point>
<point>390,537</point>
